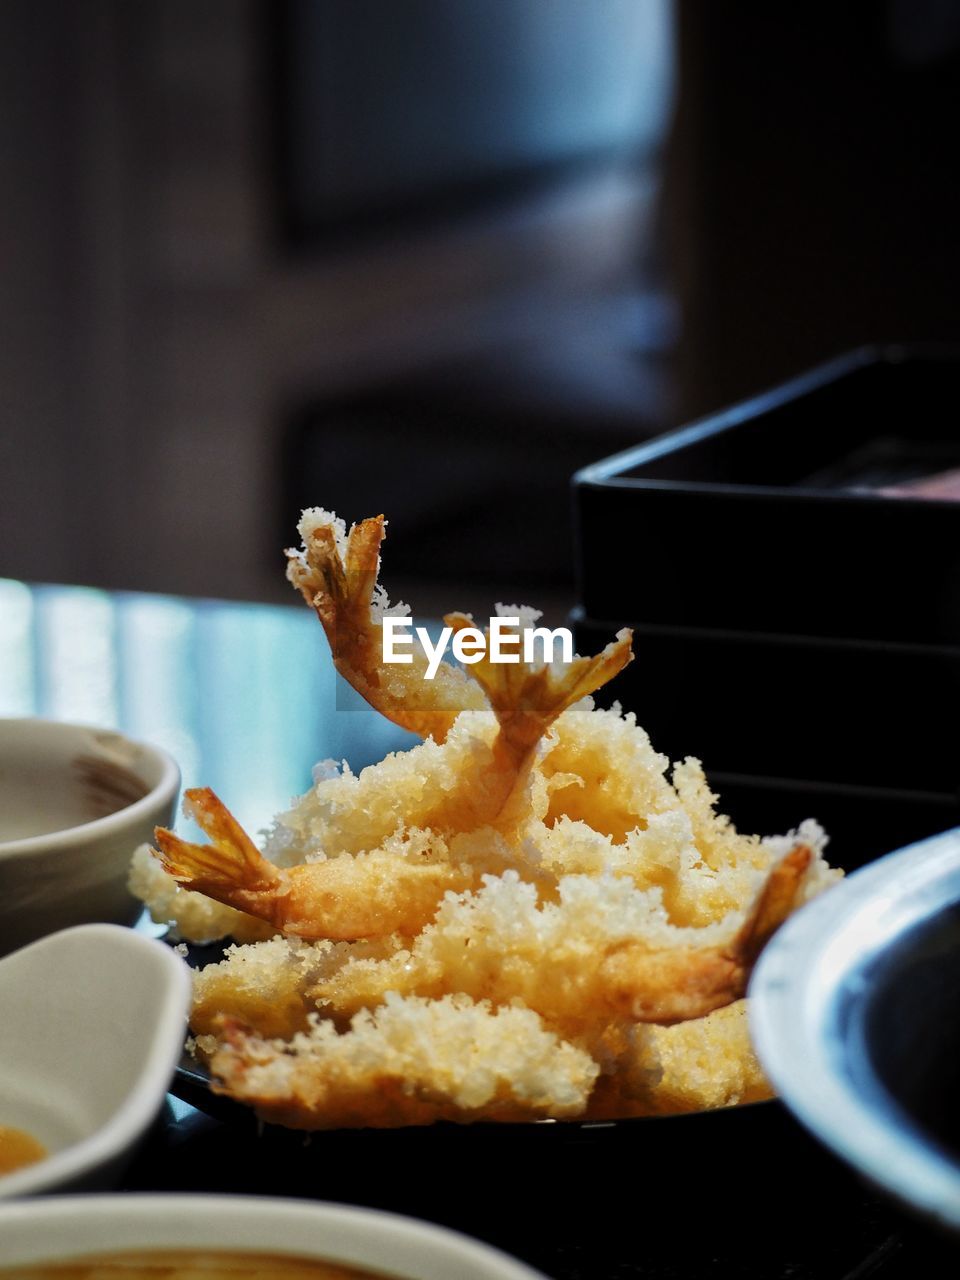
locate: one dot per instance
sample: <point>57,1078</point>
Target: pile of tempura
<point>528,915</point>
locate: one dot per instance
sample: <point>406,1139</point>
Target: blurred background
<point>428,258</point>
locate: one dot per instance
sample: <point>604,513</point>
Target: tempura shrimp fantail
<point>679,983</point>
<point>526,698</point>
<point>342,898</point>
<point>336,573</point>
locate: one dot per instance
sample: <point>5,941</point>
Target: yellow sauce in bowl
<point>18,1149</point>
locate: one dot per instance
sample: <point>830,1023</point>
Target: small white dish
<point>92,1022</point>
<point>853,1012</point>
<point>74,804</point>
<point>69,1227</point>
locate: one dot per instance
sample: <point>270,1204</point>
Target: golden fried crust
<point>277,1009</point>
<point>483,1064</point>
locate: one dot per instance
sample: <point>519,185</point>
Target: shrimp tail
<point>339,585</point>
<point>336,573</point>
<point>228,868</point>
<point>526,698</point>
<point>677,984</point>
<point>774,903</point>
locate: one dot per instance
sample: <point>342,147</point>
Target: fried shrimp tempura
<point>410,1061</point>
<point>341,898</point>
<point>612,955</point>
<point>527,915</point>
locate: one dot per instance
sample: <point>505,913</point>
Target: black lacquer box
<point>795,596</point>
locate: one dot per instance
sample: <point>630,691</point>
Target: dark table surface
<point>246,698</point>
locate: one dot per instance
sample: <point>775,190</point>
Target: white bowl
<point>853,1011</point>
<point>55,1230</point>
<point>92,1022</point>
<point>74,804</point>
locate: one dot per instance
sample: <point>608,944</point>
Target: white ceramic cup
<point>74,804</point>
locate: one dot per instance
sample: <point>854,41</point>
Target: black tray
<point>767,517</point>
<point>840,713</point>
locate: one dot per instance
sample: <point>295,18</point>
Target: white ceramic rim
<point>163,793</point>
<point>793,997</point>
<point>399,1246</point>
<point>168,1025</point>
